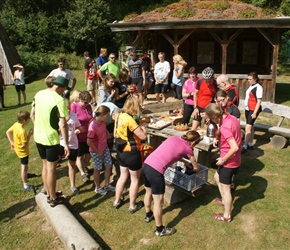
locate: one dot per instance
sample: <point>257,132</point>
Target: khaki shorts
<point>91,85</point>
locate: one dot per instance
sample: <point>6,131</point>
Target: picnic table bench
<point>281,134</point>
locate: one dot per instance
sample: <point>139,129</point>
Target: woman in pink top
<point>230,156</point>
<point>170,151</point>
<point>84,112</point>
<point>188,89</point>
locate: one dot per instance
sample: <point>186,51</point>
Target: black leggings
<point>187,112</point>
<point>177,91</point>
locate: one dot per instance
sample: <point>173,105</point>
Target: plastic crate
<point>187,182</point>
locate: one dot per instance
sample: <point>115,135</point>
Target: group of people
<point>71,129</point>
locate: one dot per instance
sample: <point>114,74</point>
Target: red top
<point>206,93</point>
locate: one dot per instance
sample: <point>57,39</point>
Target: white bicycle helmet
<point>207,73</point>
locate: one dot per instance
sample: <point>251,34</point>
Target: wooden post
<point>274,64</point>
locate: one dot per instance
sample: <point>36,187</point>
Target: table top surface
<point>170,131</point>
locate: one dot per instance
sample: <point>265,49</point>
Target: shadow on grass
<point>17,209</point>
<point>188,206</point>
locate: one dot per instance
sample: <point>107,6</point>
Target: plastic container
<point>187,182</point>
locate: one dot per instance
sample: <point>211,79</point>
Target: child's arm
<point>9,135</point>
<point>30,133</point>
<point>80,129</point>
<point>64,132</point>
<point>93,147</point>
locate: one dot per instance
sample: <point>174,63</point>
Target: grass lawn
<point>261,201</point>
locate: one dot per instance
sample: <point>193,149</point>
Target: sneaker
<point>250,147</point>
<point>101,191</point>
<point>110,188</point>
<point>244,150</point>
<point>165,231</point>
<point>30,188</point>
<point>149,218</point>
<point>74,190</point>
<point>117,205</point>
<point>136,207</point>
<point>85,178</point>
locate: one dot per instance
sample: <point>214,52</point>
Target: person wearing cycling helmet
<point>204,94</point>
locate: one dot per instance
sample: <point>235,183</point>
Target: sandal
<point>220,217</point>
<point>219,201</point>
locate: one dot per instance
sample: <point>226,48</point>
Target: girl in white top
<point>19,82</point>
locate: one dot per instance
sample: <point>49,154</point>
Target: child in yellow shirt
<point>19,141</point>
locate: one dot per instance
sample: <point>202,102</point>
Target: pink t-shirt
<point>84,115</point>
<point>230,129</point>
<point>189,86</point>
<point>170,151</point>
<point>98,133</point>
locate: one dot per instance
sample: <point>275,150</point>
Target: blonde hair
<point>102,110</point>
<point>214,111</point>
<point>75,96</point>
<point>48,81</point>
<point>180,60</point>
<point>131,105</point>
<point>103,52</point>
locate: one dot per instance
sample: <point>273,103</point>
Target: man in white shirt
<point>161,72</point>
<point>62,71</point>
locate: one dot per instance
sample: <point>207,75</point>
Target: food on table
<point>181,127</point>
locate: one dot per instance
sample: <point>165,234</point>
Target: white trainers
<point>101,191</point>
<point>166,231</point>
<point>74,190</point>
<point>110,188</point>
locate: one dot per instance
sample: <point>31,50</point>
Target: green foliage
<point>203,4</point>
<point>183,13</point>
<point>248,14</point>
<point>269,12</point>
<point>285,7</point>
<point>220,5</point>
<point>42,62</point>
<point>131,15</point>
<point>160,9</point>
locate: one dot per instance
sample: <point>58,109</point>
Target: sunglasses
<point>112,57</point>
<point>85,102</point>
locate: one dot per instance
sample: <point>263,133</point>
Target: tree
<point>87,20</point>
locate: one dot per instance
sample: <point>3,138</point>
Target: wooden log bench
<point>281,134</point>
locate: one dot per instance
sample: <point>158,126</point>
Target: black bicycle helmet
<point>207,73</point>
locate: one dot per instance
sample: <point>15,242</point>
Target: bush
<point>248,14</point>
<point>269,12</point>
<point>220,5</point>
<point>44,62</point>
<point>183,13</point>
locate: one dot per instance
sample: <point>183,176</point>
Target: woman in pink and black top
<point>153,171</point>
<point>230,156</point>
<point>84,112</point>
<point>188,89</point>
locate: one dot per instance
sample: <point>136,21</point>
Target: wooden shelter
<point>230,46</point>
<point>8,56</point>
